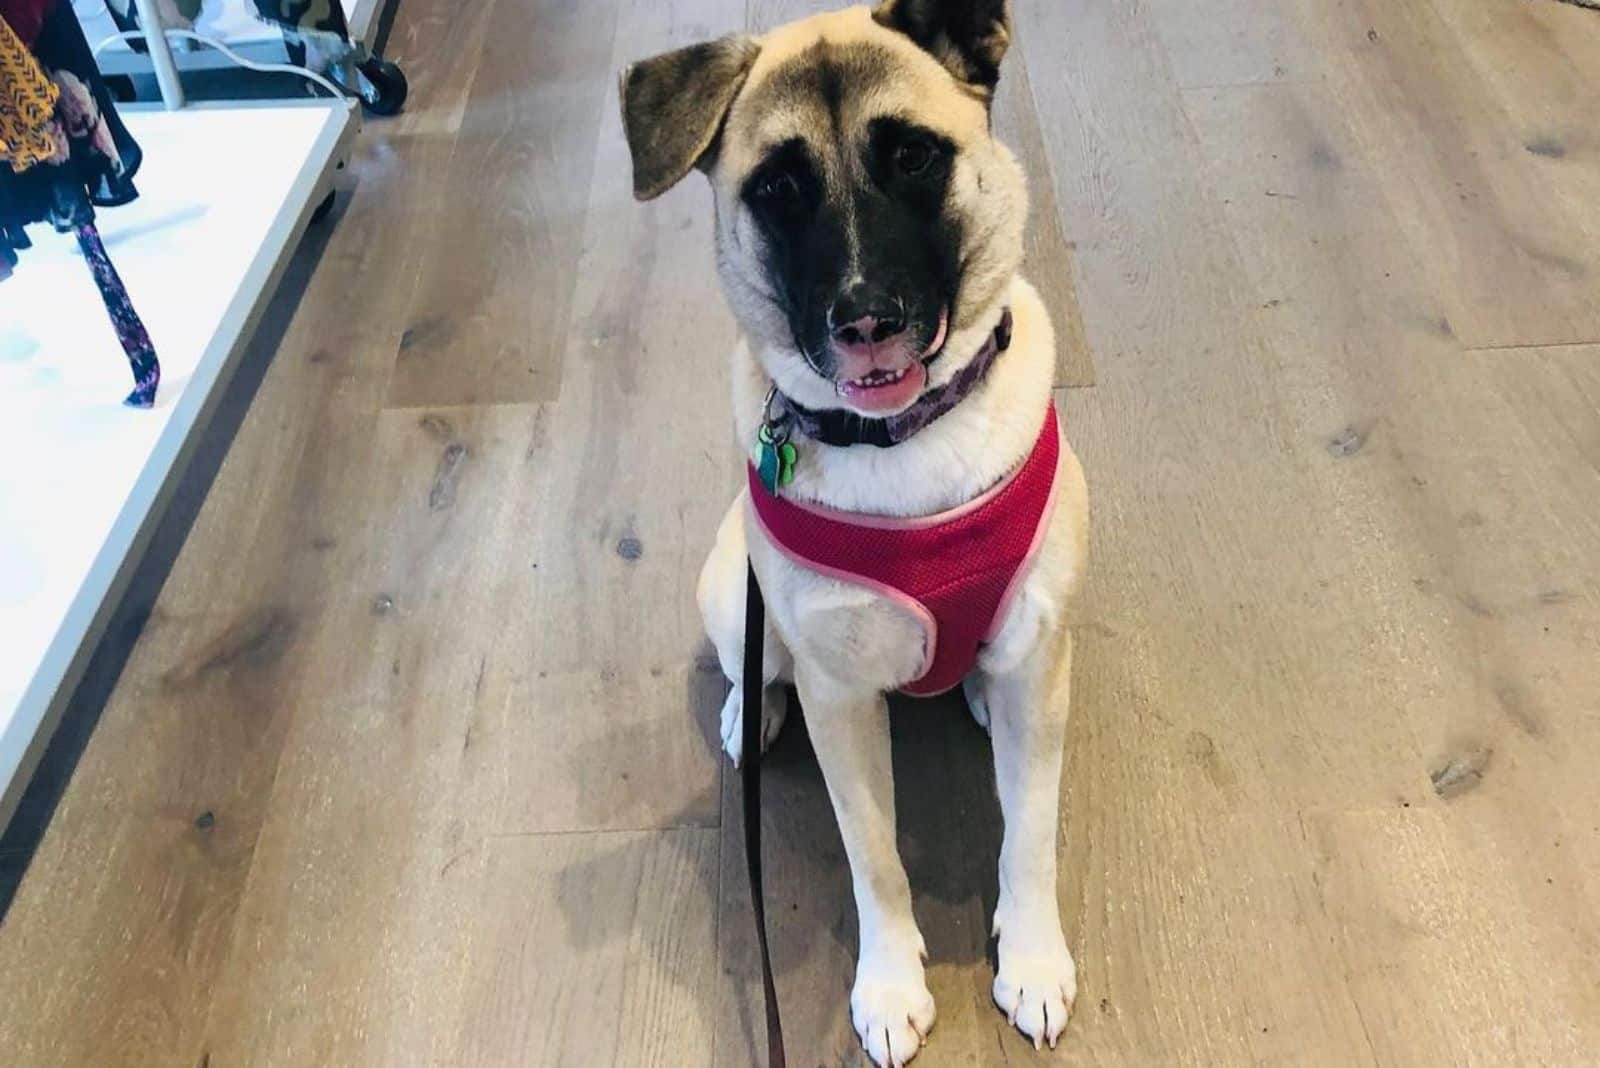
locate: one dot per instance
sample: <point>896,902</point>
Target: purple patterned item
<point>130,328</point>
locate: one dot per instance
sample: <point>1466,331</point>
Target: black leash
<point>754,634</point>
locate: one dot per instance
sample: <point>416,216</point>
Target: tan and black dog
<point>869,232</point>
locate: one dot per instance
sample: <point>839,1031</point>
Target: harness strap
<point>754,640</point>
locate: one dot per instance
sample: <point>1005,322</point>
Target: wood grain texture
<point>644,475</point>
<point>1235,42</point>
<point>415,761</point>
<point>1538,60</point>
<point>1048,263</point>
<point>1491,225</point>
<point>594,949</point>
<point>410,687</point>
<point>1401,891</point>
<point>1188,382</point>
<point>1452,472</point>
<point>489,321</point>
<point>1471,106</point>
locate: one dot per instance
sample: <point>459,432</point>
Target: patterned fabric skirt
<point>27,105</point>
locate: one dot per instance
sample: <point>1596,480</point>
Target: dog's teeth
<point>880,378</point>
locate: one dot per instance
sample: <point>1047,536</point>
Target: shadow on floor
<point>949,824</point>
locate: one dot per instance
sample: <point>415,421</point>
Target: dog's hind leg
<point>1027,708</point>
<point>721,595</point>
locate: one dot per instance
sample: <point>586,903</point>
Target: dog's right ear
<point>673,106</point>
<point>970,37</point>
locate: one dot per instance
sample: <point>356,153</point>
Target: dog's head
<point>867,221</point>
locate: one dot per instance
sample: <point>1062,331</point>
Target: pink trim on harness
<point>956,572</point>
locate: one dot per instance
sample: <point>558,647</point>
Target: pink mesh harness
<point>956,571</point>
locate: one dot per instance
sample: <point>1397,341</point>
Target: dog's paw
<point>891,1008</point>
<point>774,706</point>
<point>977,704</point>
<point>1036,981</point>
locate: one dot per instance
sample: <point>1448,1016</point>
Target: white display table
<point>226,193</point>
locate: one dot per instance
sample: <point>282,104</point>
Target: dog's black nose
<point>866,315</point>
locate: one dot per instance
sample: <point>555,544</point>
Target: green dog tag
<point>786,458</point>
<point>767,467</point>
<point>775,460</point>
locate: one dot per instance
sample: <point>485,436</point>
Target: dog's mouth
<point>894,378</point>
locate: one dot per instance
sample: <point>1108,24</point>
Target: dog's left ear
<point>673,106</point>
<point>969,37</point>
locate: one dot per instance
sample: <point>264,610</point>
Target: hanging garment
<point>306,17</point>
<point>92,164</point>
<point>25,17</point>
<point>27,123</point>
<point>174,14</point>
<point>27,105</point>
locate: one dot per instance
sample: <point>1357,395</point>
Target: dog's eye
<point>913,158</point>
<point>779,187</point>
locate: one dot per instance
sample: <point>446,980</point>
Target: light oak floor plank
<point>641,472</point>
<point>490,318</point>
<point>352,921</point>
<point>1048,260</point>
<point>1493,226</point>
<point>1235,42</point>
<point>594,949</point>
<point>1456,459</point>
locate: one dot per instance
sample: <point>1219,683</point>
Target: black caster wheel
<point>382,86</point>
<point>321,211</point>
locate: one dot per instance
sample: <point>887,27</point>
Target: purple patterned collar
<point>837,426</point>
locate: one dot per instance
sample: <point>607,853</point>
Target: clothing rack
<point>161,54</point>
<point>379,84</point>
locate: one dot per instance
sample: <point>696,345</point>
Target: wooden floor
<point>414,761</point>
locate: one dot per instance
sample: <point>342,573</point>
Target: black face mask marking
<point>857,224</point>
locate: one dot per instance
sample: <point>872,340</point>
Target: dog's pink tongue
<point>889,397</point>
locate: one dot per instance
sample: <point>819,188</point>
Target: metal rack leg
<point>160,54</point>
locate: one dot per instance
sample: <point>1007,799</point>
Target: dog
<point>894,367</point>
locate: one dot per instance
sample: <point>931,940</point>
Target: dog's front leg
<point>1036,981</point>
<point>890,1005</point>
